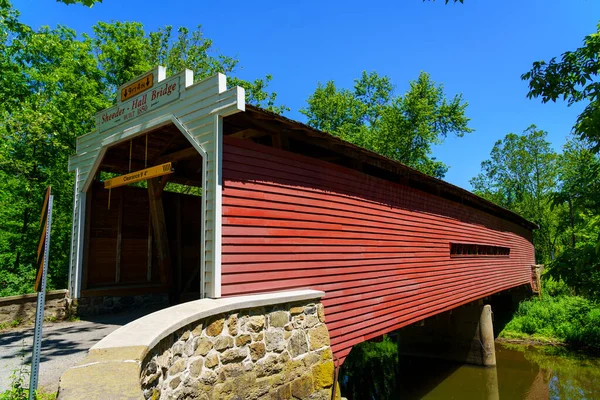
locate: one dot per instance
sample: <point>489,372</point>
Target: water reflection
<point>522,373</point>
<point>432,379</point>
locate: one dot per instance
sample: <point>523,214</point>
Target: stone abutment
<point>270,346</point>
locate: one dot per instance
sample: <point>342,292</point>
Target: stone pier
<point>464,334</point>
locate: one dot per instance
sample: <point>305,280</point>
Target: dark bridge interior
<point>145,237</point>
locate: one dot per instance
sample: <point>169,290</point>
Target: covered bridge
<point>231,199</point>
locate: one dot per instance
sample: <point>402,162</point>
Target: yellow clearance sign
<point>137,87</point>
<point>142,175</point>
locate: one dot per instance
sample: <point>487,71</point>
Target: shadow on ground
<point>65,338</point>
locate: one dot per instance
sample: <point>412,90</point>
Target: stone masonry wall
<point>279,352</point>
<point>21,309</point>
<point>96,305</point>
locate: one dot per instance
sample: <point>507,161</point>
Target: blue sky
<point>479,49</point>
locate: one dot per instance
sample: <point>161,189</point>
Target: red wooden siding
<point>380,251</point>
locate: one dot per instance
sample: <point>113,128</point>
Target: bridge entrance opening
<point>144,235</point>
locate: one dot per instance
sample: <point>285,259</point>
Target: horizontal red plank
<point>382,264</point>
<point>407,207</point>
<point>255,195</point>
<point>330,232</point>
<point>347,276</point>
<point>384,320</point>
<point>343,344</point>
<point>367,309</point>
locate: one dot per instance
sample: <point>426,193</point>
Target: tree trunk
<point>572,221</point>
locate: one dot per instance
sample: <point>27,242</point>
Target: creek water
<point>522,372</point>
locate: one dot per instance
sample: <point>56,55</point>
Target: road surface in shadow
<point>64,344</point>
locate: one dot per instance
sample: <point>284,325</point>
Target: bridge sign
<point>137,87</point>
<point>141,175</point>
<point>140,97</point>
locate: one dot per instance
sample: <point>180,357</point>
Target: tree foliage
<point>560,192</point>
<point>87,3</point>
<point>53,81</point>
<point>574,78</point>
<point>370,371</point>
<point>124,50</point>
<point>403,128</point>
<point>579,190</point>
<point>521,176</point>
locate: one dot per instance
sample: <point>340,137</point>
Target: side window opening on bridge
<point>477,250</point>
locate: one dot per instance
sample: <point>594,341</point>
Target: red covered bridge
<point>283,206</point>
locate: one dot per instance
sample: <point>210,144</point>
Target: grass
<point>17,322</point>
<point>12,324</point>
<point>19,385</point>
<point>73,318</point>
<point>23,394</point>
<point>557,316</point>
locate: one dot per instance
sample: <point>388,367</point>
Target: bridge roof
<point>384,167</point>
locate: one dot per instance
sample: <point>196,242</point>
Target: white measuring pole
<point>39,313</point>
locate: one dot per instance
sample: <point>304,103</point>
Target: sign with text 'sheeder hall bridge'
<point>138,97</point>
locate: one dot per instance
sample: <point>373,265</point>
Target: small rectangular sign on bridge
<point>137,87</point>
<point>141,175</point>
<point>142,101</point>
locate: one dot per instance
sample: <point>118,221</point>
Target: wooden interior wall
<point>380,251</point>
<point>123,261</point>
<point>184,218</point>
<point>102,241</point>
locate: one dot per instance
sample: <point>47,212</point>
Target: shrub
<point>18,383</point>
<point>572,319</point>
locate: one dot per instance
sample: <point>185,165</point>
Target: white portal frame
<point>198,114</point>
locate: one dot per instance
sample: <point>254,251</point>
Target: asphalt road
<point>64,344</point>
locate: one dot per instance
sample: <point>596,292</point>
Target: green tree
<point>557,191</point>
<point>57,95</point>
<point>53,81</point>
<point>579,177</point>
<point>403,128</point>
<point>124,50</point>
<point>579,267</point>
<point>521,175</point>
<point>574,78</point>
<point>370,371</point>
<point>87,3</point>
<point>579,173</point>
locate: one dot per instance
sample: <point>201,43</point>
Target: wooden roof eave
<point>406,175</point>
